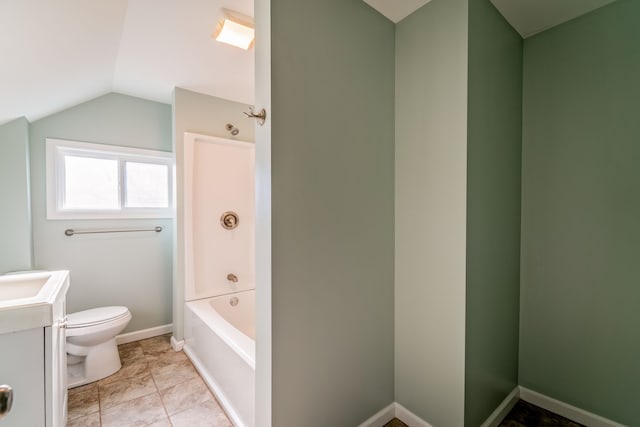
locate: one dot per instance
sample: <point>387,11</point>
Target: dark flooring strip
<point>523,414</point>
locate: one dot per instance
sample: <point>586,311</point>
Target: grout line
<point>164,408</point>
<point>99,405</point>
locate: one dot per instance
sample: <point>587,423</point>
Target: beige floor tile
<point>170,375</point>
<point>156,345</point>
<point>141,411</point>
<point>92,420</point>
<point>165,359</point>
<point>115,393</point>
<point>205,414</point>
<point>185,395</point>
<point>130,397</point>
<point>162,423</point>
<point>130,352</point>
<point>133,368</point>
<point>82,388</point>
<point>83,403</point>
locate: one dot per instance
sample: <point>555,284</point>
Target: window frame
<point>57,149</point>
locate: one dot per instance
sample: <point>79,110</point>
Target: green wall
<point>15,214</point>
<point>430,211</point>
<point>332,96</point>
<point>580,299</point>
<point>130,269</point>
<point>207,115</point>
<point>493,211</point>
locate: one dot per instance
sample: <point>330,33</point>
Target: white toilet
<point>92,352</point>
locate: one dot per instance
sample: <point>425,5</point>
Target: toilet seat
<point>96,316</point>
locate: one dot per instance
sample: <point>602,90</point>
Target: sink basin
<point>27,299</point>
<point>22,286</point>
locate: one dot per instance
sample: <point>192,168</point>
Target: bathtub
<point>220,341</point>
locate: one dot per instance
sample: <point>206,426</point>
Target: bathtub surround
<point>201,114</point>
<point>130,269</point>
<point>219,185</point>
<point>219,274</point>
<point>580,206</point>
<point>15,215</point>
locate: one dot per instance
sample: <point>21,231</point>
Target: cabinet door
<point>21,367</point>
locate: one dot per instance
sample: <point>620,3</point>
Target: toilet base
<point>99,362</point>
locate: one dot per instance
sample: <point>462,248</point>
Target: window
<point>90,181</point>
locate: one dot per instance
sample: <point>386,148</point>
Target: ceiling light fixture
<point>236,30</point>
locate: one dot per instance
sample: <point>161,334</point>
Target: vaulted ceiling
<point>56,54</point>
<point>528,17</point>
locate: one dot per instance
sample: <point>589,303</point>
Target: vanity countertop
<point>28,300</point>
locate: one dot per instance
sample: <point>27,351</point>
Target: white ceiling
<point>528,17</point>
<point>56,54</point>
<point>396,10</point>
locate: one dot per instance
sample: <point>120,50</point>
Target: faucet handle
<point>6,400</point>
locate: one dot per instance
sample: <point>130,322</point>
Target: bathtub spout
<point>232,278</point>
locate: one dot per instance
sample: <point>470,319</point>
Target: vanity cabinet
<point>22,367</point>
<point>33,363</point>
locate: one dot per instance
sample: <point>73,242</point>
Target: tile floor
<point>156,387</point>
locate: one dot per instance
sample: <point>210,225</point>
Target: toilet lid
<point>95,316</point>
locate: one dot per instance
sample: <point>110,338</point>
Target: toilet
<point>92,352</point>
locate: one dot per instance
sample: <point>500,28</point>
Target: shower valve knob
<point>229,220</point>
<point>6,400</point>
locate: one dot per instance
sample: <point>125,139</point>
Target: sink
<point>27,299</point>
<point>21,286</point>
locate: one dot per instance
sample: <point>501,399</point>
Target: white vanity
<point>32,347</point>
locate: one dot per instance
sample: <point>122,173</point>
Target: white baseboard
<point>176,345</point>
<point>395,410</point>
<point>503,409</point>
<point>561,408</point>
<point>409,418</point>
<point>382,417</point>
<point>144,333</point>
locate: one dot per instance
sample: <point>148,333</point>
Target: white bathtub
<point>220,341</point>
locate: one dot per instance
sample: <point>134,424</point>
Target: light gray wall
<point>493,211</point>
<point>430,211</point>
<point>130,269</point>
<point>15,214</point>
<point>332,91</point>
<point>207,115</point>
<point>263,218</point>
<point>580,322</point>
